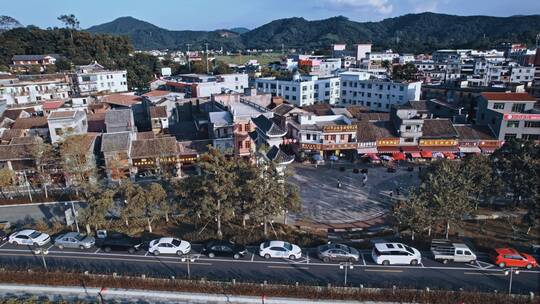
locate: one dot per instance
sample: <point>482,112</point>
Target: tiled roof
<point>96,122</point>
<point>121,99</point>
<point>157,147</point>
<point>15,113</point>
<point>369,131</point>
<point>145,135</point>
<point>158,112</point>
<point>508,96</point>
<point>373,116</point>
<point>470,132</point>
<point>283,109</point>
<point>25,140</point>
<point>220,119</point>
<point>438,128</point>
<point>112,142</point>
<point>9,134</point>
<point>31,57</point>
<point>193,147</point>
<point>35,122</point>
<point>15,152</point>
<point>157,93</point>
<point>121,119</point>
<point>319,109</point>
<point>268,127</point>
<point>420,105</point>
<point>275,154</point>
<point>52,104</point>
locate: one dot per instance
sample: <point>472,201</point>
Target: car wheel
<point>351,260</point>
<point>179,253</point>
<point>414,262</point>
<point>445,261</point>
<point>107,249</point>
<point>211,255</point>
<point>61,247</point>
<point>82,247</point>
<point>292,257</point>
<point>131,250</point>
<point>502,265</point>
<point>472,262</point>
<point>386,262</point>
<point>156,252</point>
<point>326,259</point>
<point>267,256</point>
<point>236,256</point>
<point>529,266</point>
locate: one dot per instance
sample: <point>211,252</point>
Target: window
<point>240,145</point>
<point>344,83</point>
<point>246,127</point>
<point>518,107</point>
<point>239,128</point>
<point>308,136</point>
<point>531,136</point>
<point>498,106</point>
<point>294,89</point>
<point>512,124</point>
<point>342,137</point>
<point>509,136</point>
<point>286,88</point>
<point>332,137</point>
<point>532,124</point>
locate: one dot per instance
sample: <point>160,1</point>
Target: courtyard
<point>325,203</point>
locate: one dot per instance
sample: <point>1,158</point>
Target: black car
<point>224,248</point>
<point>116,241</point>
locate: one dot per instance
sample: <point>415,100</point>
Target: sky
<point>218,14</point>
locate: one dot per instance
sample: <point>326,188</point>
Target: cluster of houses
<point>328,112</point>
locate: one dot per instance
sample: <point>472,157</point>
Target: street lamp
<point>346,266</point>
<point>511,271</point>
<point>188,259</point>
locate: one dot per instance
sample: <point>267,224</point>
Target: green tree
<point>155,205</point>
<point>414,213</point>
<point>77,164</point>
<point>220,67</point>
<point>69,21</point>
<point>45,159</point>
<point>406,72</point>
<point>134,198</point>
<point>63,65</point>
<point>211,196</point>
<point>98,205</point>
<point>478,171</point>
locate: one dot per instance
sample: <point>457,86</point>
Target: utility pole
<point>187,56</point>
<point>282,49</point>
<point>206,44</point>
<point>28,186</point>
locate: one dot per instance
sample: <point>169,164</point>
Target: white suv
<point>280,249</point>
<point>395,253</point>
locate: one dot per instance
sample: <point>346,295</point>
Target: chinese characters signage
<point>438,142</point>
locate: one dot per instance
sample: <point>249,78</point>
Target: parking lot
<point>482,275</point>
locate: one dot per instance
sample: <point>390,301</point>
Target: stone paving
<point>324,202</point>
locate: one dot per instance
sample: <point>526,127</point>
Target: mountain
<point>239,30</point>
<point>145,35</point>
<point>408,33</point>
<point>8,23</point>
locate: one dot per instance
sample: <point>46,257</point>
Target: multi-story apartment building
<point>29,89</point>
<point>359,88</point>
<point>199,85</point>
<point>302,90</point>
<point>319,65</point>
<point>94,78</point>
<point>509,115</point>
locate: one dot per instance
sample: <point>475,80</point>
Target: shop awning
<point>388,149</point>
<point>442,149</point>
<point>449,155</point>
<point>469,150</point>
<point>488,150</point>
<point>398,156</point>
<point>409,149</point>
<point>426,154</point>
<point>367,150</point>
<point>415,154</point>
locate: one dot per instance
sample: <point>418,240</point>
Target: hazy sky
<point>213,14</point>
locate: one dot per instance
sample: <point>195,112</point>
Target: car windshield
<point>409,249</point>
<point>34,234</point>
<point>79,237</point>
<point>287,246</point>
<point>176,242</point>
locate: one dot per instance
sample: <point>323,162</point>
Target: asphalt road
<point>482,276</point>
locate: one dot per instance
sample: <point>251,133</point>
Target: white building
<point>359,88</point>
<point>200,85</point>
<point>522,74</point>
<point>65,123</point>
<point>362,50</point>
<point>302,90</point>
<point>94,78</point>
<point>20,91</point>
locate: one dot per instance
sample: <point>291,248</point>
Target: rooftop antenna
<point>187,55</point>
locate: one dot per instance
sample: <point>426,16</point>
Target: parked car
<point>224,248</point>
<point>445,251</point>
<point>509,257</point>
<point>395,253</point>
<point>29,237</point>
<point>116,241</point>
<point>169,245</point>
<point>74,240</point>
<point>279,249</point>
<point>337,252</point>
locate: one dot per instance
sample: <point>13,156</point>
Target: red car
<point>509,257</point>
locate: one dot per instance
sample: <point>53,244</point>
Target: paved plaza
<point>324,202</point>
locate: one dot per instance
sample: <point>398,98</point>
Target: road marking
<point>50,247</point>
<point>384,270</point>
<point>307,256</point>
<point>146,254</point>
<point>485,273</point>
<point>3,244</point>
<point>363,259</point>
<point>287,267</point>
<point>97,250</point>
<point>252,256</point>
<point>422,264</point>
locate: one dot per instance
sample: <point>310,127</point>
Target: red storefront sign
<point>521,117</point>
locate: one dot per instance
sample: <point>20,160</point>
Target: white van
<point>395,253</point>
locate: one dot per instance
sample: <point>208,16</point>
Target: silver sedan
<point>74,240</point>
<point>337,252</point>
